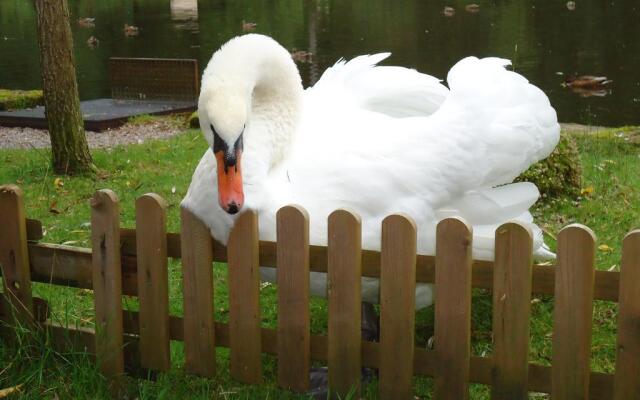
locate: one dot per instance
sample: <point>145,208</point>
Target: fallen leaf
<point>58,183</point>
<point>605,248</point>
<point>586,191</point>
<point>10,390</point>
<point>53,207</point>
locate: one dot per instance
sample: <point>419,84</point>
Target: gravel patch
<point>158,128</point>
<point>161,128</point>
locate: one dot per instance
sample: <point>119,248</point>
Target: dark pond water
<point>545,40</point>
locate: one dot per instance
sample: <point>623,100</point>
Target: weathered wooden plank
<point>425,364</point>
<point>153,282</point>
<point>511,311</point>
<point>41,310</point>
<point>397,307</point>
<point>627,382</point>
<point>344,295</point>
<point>573,313</point>
<point>197,284</point>
<point>34,230</point>
<point>452,335</point>
<point>244,300</point>
<point>543,280</point>
<point>107,282</point>
<point>293,298</point>
<point>14,255</point>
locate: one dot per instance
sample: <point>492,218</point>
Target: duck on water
<point>376,140</point>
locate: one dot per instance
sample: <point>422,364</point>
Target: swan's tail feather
<point>487,209</point>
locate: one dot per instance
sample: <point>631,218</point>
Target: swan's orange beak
<point>230,193</point>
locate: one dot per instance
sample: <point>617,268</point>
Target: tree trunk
<point>69,149</point>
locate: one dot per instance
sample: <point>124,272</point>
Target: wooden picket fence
<point>134,262</point>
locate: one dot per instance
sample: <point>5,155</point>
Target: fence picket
<point>511,310</point>
<point>14,255</point>
<point>344,295</point>
<point>627,384</point>
<point>453,309</point>
<point>197,271</point>
<point>573,313</point>
<point>107,282</point>
<point>244,300</point>
<point>293,298</point>
<point>397,307</point>
<point>153,281</point>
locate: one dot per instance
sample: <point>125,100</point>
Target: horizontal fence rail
<point>130,262</point>
<point>71,266</point>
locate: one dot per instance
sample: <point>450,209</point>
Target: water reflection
<point>185,14</point>
<point>546,40</point>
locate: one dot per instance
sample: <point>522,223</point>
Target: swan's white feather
<point>394,91</point>
<point>382,140</point>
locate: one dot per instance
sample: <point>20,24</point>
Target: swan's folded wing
<point>500,122</point>
<point>395,91</point>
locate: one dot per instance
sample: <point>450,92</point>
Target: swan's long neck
<point>255,72</point>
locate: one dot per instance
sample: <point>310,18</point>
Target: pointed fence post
<point>344,293</point>
<point>573,313</point>
<point>627,379</point>
<point>294,351</point>
<point>14,256</point>
<point>153,281</point>
<point>244,300</point>
<point>107,283</point>
<point>452,337</point>
<point>397,307</point>
<point>197,271</point>
<point>511,311</point>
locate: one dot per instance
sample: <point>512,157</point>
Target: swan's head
<point>250,78</point>
<point>223,119</point>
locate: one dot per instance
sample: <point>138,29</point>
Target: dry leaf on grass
<point>8,391</point>
<point>605,248</point>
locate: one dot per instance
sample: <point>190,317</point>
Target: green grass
<point>611,181</point>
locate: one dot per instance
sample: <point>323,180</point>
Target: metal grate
<point>154,79</point>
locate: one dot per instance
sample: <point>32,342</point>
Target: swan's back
<point>355,152</point>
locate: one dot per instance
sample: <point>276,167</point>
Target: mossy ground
<point>610,187</point>
<point>18,99</point>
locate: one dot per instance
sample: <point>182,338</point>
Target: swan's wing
<point>502,122</point>
<point>492,126</point>
<point>395,91</point>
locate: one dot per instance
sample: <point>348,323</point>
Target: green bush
<point>194,121</point>
<point>17,99</point>
<point>560,174</point>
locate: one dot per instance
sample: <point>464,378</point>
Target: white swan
<point>376,140</point>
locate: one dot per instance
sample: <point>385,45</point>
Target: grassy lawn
<point>611,184</point>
